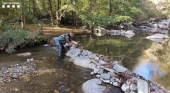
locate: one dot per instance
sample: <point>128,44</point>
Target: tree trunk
<point>22,15</point>
<point>43,5</point>
<point>29,6</point>
<point>34,7</point>
<point>110,7</point>
<point>74,18</point>
<point>51,12</point>
<point>57,12</point>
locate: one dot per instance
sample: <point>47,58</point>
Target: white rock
<point>132,92</point>
<point>129,36</point>
<point>118,67</point>
<point>157,36</point>
<point>116,84</point>
<point>85,52</point>
<point>128,82</point>
<point>93,56</point>
<point>72,59</point>
<point>98,76</point>
<point>106,81</point>
<point>83,62</point>
<point>91,65</point>
<point>31,60</point>
<point>125,87</point>
<point>101,79</point>
<point>96,70</point>
<point>129,33</point>
<point>92,86</point>
<point>143,86</point>
<point>112,74</point>
<point>28,60</point>
<point>89,53</point>
<point>105,76</point>
<point>73,52</point>
<point>24,54</point>
<point>119,80</point>
<point>96,58</point>
<point>133,87</point>
<point>102,62</point>
<point>100,71</point>
<point>112,79</point>
<point>91,73</point>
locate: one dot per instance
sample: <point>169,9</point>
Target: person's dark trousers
<point>61,50</point>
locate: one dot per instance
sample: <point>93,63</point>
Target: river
<point>142,56</point>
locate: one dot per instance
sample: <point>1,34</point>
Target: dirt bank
<point>51,31</point>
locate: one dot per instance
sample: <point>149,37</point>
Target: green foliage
<point>15,38</point>
<point>31,19</point>
<point>119,18</point>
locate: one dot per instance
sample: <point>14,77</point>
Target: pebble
<point>14,72</point>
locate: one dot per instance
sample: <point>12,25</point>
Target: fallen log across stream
<point>112,72</point>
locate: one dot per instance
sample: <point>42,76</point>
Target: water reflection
<point>146,69</point>
<point>144,57</point>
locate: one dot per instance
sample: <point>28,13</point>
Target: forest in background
<point>73,13</point>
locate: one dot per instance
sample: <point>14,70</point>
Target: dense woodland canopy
<point>94,12</point>
<point>75,13</point>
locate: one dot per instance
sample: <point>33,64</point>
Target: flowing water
<point>142,56</point>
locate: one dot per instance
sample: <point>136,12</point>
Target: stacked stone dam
<point>112,72</point>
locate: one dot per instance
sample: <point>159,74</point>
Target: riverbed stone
<point>93,86</point>
<point>96,70</point>
<point>106,81</point>
<point>125,87</point>
<point>118,67</point>
<point>82,61</point>
<point>105,76</point>
<point>72,59</point>
<point>101,70</point>
<point>91,65</point>
<point>112,79</point>
<point>142,86</point>
<point>24,54</point>
<point>102,62</point>
<point>116,84</point>
<point>133,87</point>
<point>84,53</point>
<point>73,52</point>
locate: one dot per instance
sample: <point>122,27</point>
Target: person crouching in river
<point>61,41</point>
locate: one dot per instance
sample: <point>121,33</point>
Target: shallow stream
<point>147,58</point>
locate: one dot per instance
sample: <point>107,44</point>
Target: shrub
<point>19,38</point>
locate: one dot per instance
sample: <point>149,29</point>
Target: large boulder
<point>93,86</point>
<point>100,31</point>
<point>157,35</point>
<point>73,52</point>
<point>84,61</point>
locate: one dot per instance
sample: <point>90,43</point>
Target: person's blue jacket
<point>65,38</point>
